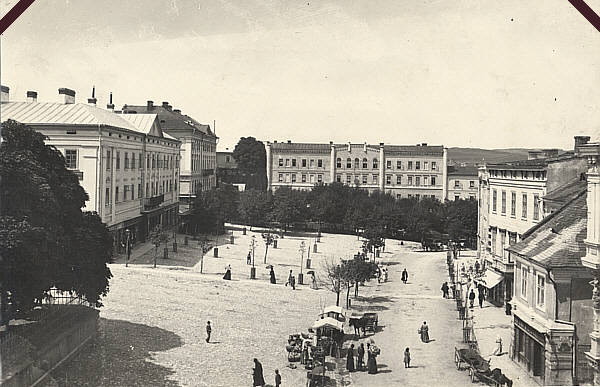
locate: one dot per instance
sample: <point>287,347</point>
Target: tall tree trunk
<point>266,251</point>
<point>337,301</point>
<point>356,290</point>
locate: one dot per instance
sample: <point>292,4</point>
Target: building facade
<point>198,150</point>
<point>463,183</point>
<point>401,170</point>
<point>126,164</point>
<point>511,202</point>
<point>551,306</point>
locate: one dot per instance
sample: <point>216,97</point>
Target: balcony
<point>153,202</point>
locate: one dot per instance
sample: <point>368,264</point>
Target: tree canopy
<point>251,158</point>
<point>46,240</point>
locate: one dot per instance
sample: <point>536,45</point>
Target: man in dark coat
<point>272,274</point>
<point>257,374</point>
<point>208,331</point>
<point>350,359</point>
<point>404,276</point>
<point>360,357</point>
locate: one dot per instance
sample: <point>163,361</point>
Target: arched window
<point>356,163</point>
<point>338,163</point>
<point>348,162</point>
<point>375,163</point>
<point>365,163</point>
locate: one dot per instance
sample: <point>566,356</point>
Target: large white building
<point>126,164</point>
<point>198,150</point>
<point>404,171</point>
<point>511,202</point>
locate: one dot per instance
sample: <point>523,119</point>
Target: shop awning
<point>328,322</point>
<point>489,279</point>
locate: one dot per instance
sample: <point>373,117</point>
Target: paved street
<point>152,327</point>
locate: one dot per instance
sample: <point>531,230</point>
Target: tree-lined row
<point>337,206</point>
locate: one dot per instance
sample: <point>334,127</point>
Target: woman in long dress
<point>272,274</point>
<point>424,332</point>
<point>227,275</point>
<point>372,351</point>
<point>257,374</point>
<point>313,283</point>
<point>350,359</point>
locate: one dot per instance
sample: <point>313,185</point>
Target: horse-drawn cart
<point>470,357</point>
<point>372,320</point>
<point>364,321</point>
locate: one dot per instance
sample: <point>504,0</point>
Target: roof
<point>463,171</point>
<point>142,122</point>
<point>335,309</point>
<point>557,241</point>
<point>39,113</point>
<point>169,119</point>
<point>391,150</point>
<point>328,322</point>
<point>532,164</point>
<point>567,192</point>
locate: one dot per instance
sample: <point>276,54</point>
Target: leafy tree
<point>355,271</point>
<point>335,274</point>
<point>46,241</point>
<point>251,159</point>
<point>254,206</point>
<point>213,208</point>
<point>158,236</point>
<point>289,206</point>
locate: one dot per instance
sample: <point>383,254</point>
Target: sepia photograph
<point>300,193</point>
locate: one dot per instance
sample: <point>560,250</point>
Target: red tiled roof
<point>412,150</point>
<point>567,192</point>
<point>390,150</point>
<point>531,164</point>
<point>299,147</point>
<point>557,241</point>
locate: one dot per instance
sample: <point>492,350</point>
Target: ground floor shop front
<point>138,229</point>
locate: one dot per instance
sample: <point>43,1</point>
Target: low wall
<point>36,363</point>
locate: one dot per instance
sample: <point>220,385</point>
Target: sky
<point>486,73</point>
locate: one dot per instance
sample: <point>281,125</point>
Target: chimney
<point>424,144</point>
<point>289,141</point>
<point>365,147</point>
<point>92,101</point>
<point>5,93</point>
<point>149,105</point>
<point>579,141</point>
<point>166,106</point>
<point>68,95</point>
<point>349,146</point>
<point>177,111</point>
<point>110,105</point>
<point>31,96</point>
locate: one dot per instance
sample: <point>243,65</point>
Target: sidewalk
<point>491,322</point>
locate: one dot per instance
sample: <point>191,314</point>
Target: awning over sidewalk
<point>489,279</point>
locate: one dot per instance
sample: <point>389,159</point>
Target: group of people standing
<point>372,351</point>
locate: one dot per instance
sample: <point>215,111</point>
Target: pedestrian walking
<point>257,374</point>
<point>481,298</point>
<point>272,275</point>
<point>471,298</point>
<point>404,275</point>
<point>277,378</point>
<point>445,289</point>
<point>477,266</point>
<point>249,258</point>
<point>360,352</point>
<point>291,281</point>
<point>372,352</point>
<point>424,332</point>
<point>406,358</point>
<point>498,350</point>
<point>208,331</point>
<point>350,359</point>
<point>313,281</point>
<point>227,275</point>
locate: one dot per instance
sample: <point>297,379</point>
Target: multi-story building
<point>463,182</point>
<point>126,164</point>
<point>404,171</point>
<point>552,306</point>
<point>511,202</point>
<point>198,150</point>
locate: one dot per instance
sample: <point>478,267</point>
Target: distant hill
<point>478,155</point>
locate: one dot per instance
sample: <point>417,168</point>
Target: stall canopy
<point>333,308</point>
<point>489,279</point>
<point>328,322</point>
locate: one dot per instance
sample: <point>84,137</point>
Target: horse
<point>358,323</point>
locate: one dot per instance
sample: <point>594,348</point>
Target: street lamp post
<point>302,249</point>
<point>252,248</point>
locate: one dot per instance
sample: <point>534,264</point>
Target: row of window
<point>540,286</point>
<point>304,163</point>
<point>531,175</point>
<point>356,164</point>
<point>513,204</point>
<point>457,184</point>
<point>512,239</point>
<point>129,193</point>
<point>153,160</point>
<point>304,178</point>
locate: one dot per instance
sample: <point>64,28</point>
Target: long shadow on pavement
<point>121,355</point>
